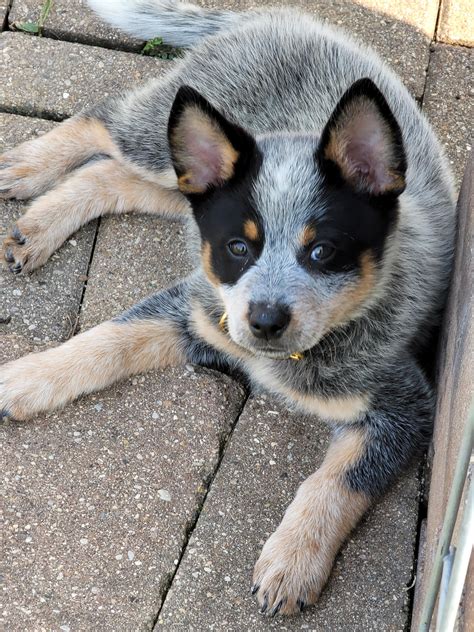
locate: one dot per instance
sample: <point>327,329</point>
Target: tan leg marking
<point>36,165</point>
<point>88,362</point>
<point>297,559</point>
<point>94,190</point>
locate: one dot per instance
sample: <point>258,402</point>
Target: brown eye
<point>321,252</point>
<point>237,247</point>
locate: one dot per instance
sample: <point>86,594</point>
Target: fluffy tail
<point>177,23</point>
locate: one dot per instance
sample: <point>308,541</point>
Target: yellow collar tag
<point>296,356</point>
<point>222,321</point>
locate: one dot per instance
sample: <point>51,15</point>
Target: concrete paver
<point>98,498</point>
<point>455,25</point>
<point>270,453</point>
<point>134,256</point>
<point>448,101</point>
<point>66,77</point>
<point>42,306</point>
<point>4,5</point>
<point>71,20</point>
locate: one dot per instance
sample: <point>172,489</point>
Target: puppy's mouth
<point>264,351</point>
<point>269,352</point>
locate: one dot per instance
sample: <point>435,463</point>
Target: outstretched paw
<point>15,255</point>
<point>290,573</point>
<point>24,249</point>
<point>21,174</point>
<point>4,415</point>
<point>25,388</point>
<point>5,399</point>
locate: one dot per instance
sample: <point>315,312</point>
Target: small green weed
<point>36,28</point>
<point>156,48</point>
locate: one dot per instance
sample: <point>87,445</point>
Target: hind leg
<point>102,187</point>
<point>37,165</point>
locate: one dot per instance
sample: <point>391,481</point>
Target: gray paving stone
<point>270,453</point>
<point>134,257</point>
<point>66,77</point>
<point>44,305</point>
<point>455,25</point>
<point>71,20</point>
<point>448,101</point>
<point>98,498</point>
<point>4,5</point>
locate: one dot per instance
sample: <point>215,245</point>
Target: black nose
<point>268,321</point>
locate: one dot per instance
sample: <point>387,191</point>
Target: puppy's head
<point>294,228</point>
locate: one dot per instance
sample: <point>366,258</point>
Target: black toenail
<point>264,607</point>
<point>254,589</point>
<point>9,255</point>
<point>277,608</point>
<point>4,414</point>
<point>16,269</point>
<point>301,604</point>
<point>18,236</point>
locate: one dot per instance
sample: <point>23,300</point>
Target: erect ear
<point>363,140</point>
<point>206,149</point>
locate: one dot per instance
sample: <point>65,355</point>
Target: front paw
<point>291,571</point>
<point>24,389</point>
<point>25,248</point>
<point>20,173</point>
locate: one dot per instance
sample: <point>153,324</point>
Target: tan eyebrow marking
<point>251,230</point>
<point>308,235</point>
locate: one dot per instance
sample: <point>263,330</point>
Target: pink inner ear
<point>368,151</point>
<point>205,158</point>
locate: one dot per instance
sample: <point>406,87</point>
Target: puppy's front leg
<point>88,362</point>
<point>296,560</point>
<point>362,460</point>
<point>153,334</point>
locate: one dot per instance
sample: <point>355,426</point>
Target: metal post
<point>452,508</point>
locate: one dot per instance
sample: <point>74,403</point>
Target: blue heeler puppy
<point>321,217</point>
